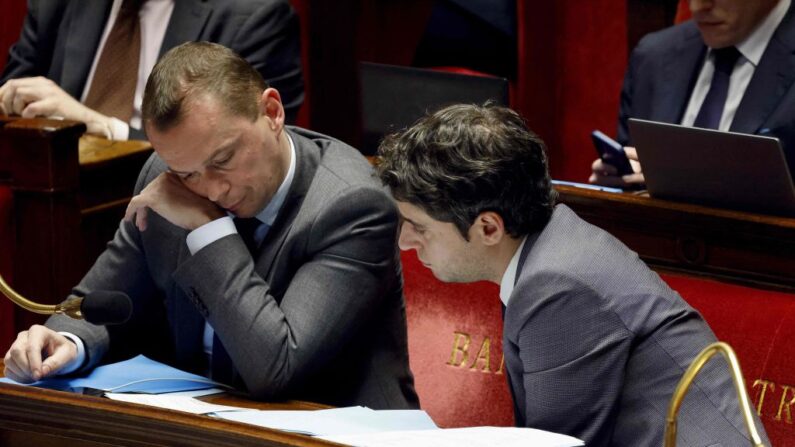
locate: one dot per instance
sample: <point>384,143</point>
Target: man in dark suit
<point>594,341</point>
<point>51,68</point>
<point>670,76</point>
<point>300,295</point>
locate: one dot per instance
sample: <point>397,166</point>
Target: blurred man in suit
<point>88,60</point>
<point>594,341</point>
<point>729,68</point>
<point>299,297</point>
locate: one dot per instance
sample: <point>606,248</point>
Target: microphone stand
<point>70,307</point>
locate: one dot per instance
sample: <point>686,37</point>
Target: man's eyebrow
<point>406,219</point>
<point>230,144</point>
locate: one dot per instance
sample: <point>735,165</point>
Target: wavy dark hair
<point>466,159</point>
<point>200,68</point>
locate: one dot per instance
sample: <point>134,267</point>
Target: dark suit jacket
<point>664,68</point>
<point>60,37</point>
<point>319,315</point>
<point>595,344</point>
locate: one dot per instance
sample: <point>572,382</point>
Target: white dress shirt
<point>509,277</point>
<point>154,16</point>
<point>751,50</point>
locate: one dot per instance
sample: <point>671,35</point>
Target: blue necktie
<point>712,109</point>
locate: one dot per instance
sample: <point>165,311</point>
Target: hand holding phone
<point>611,152</point>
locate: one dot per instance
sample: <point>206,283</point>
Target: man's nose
<point>407,240</point>
<point>216,187</point>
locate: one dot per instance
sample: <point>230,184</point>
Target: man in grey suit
<point>52,65</point>
<point>306,303</point>
<point>594,341</point>
<point>671,74</point>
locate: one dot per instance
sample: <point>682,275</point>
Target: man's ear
<point>488,227</point>
<point>271,108</point>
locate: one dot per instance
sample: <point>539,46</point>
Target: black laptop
<point>709,167</point>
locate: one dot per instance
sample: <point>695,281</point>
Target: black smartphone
<point>611,152</point>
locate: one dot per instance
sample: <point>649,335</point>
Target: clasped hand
<point>39,96</point>
<point>37,353</point>
<point>170,198</point>
<point>606,174</point>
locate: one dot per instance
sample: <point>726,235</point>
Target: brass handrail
<point>687,379</point>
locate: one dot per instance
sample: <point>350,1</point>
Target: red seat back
<point>455,348</point>
<point>760,326</point>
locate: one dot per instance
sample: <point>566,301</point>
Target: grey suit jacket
<point>59,40</point>
<point>319,315</point>
<point>595,344</point>
<point>664,68</point>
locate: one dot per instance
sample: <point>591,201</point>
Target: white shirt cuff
<point>209,233</point>
<point>79,359</point>
<point>119,130</point>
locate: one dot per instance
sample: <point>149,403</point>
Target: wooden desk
<point>741,247</point>
<point>44,418</point>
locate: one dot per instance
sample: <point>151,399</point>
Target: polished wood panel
<point>32,416</point>
<point>69,193</point>
<point>731,245</point>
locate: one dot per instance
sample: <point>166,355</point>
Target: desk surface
<point>732,245</point>
<point>33,416</point>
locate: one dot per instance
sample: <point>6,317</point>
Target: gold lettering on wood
<point>483,355</point>
<point>460,345</point>
<point>502,363</point>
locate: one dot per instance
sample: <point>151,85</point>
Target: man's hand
<point>605,174</point>
<point>39,96</point>
<point>37,353</point>
<point>168,197</point>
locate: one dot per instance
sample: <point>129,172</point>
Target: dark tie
<point>112,90</point>
<point>247,228</point>
<point>222,368</point>
<point>711,110</point>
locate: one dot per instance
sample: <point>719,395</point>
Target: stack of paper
<point>458,437</point>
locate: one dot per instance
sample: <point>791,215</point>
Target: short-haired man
<point>594,341</point>
<point>728,68</point>
<point>303,290</point>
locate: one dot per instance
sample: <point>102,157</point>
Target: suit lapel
<point>771,80</point>
<point>85,31</point>
<point>681,67</point>
<point>307,160</point>
<point>186,23</point>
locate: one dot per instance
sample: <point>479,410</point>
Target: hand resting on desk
<point>37,353</point>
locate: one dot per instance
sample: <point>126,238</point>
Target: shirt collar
<point>509,277</point>
<point>754,45</point>
<point>268,215</point>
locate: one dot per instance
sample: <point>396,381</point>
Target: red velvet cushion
<point>455,348</point>
<point>760,326</point>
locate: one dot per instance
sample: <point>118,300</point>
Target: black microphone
<point>103,307</point>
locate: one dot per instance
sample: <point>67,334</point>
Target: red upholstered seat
<point>455,348</point>
<point>760,326</point>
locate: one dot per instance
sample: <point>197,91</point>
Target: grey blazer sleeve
<point>121,267</point>
<point>573,354</point>
<point>349,244</point>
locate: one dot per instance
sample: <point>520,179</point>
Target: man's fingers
<point>140,219</point>
<point>61,353</point>
<point>634,179</point>
<point>37,341</point>
<point>631,152</point>
<point>13,372</point>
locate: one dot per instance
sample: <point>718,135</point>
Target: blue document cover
<point>136,375</point>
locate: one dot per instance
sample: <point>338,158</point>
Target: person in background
<point>728,68</point>
<point>89,60</point>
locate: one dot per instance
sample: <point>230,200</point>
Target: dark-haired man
<point>299,297</point>
<point>594,341</point>
<point>728,68</point>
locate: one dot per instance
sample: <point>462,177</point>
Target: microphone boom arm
<point>70,307</point>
